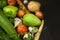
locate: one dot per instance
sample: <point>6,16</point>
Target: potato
<point>34,6</point>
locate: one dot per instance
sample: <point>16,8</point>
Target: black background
<point>53,12</point>
<point>53,18</point>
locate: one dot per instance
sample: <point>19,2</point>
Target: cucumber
<point>8,27</point>
<point>31,20</point>
<point>3,36</point>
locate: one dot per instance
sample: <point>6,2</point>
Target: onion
<point>16,22</point>
<point>21,13</point>
<point>39,14</point>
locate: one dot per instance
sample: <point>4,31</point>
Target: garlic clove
<point>17,21</point>
<point>25,1</point>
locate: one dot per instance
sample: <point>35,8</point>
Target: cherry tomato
<point>11,2</point>
<point>21,13</point>
<point>21,29</point>
<point>39,14</point>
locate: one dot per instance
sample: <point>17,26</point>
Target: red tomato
<point>39,14</point>
<point>11,2</point>
<point>21,29</point>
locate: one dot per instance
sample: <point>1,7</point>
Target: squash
<point>31,20</point>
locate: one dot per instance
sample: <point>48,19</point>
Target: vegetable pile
<point>19,22</point>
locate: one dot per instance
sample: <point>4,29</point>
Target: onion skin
<point>39,14</point>
<point>21,13</point>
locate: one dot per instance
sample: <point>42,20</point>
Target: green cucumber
<point>31,20</point>
<point>3,36</point>
<point>8,27</point>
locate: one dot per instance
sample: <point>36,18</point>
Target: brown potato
<point>34,6</point>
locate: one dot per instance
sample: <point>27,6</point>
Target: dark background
<point>51,9</point>
<point>52,17</point>
<point>53,12</point>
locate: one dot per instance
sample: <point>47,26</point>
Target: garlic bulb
<point>33,29</point>
<point>16,22</point>
<point>25,1</point>
<point>27,36</point>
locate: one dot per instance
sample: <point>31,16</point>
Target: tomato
<point>11,2</point>
<point>21,29</point>
<point>39,14</point>
<point>21,13</point>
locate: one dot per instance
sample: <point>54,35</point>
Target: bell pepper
<point>10,11</point>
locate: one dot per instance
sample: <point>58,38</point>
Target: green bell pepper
<point>10,11</point>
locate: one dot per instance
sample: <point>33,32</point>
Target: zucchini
<point>8,27</point>
<point>31,20</point>
<point>3,36</point>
